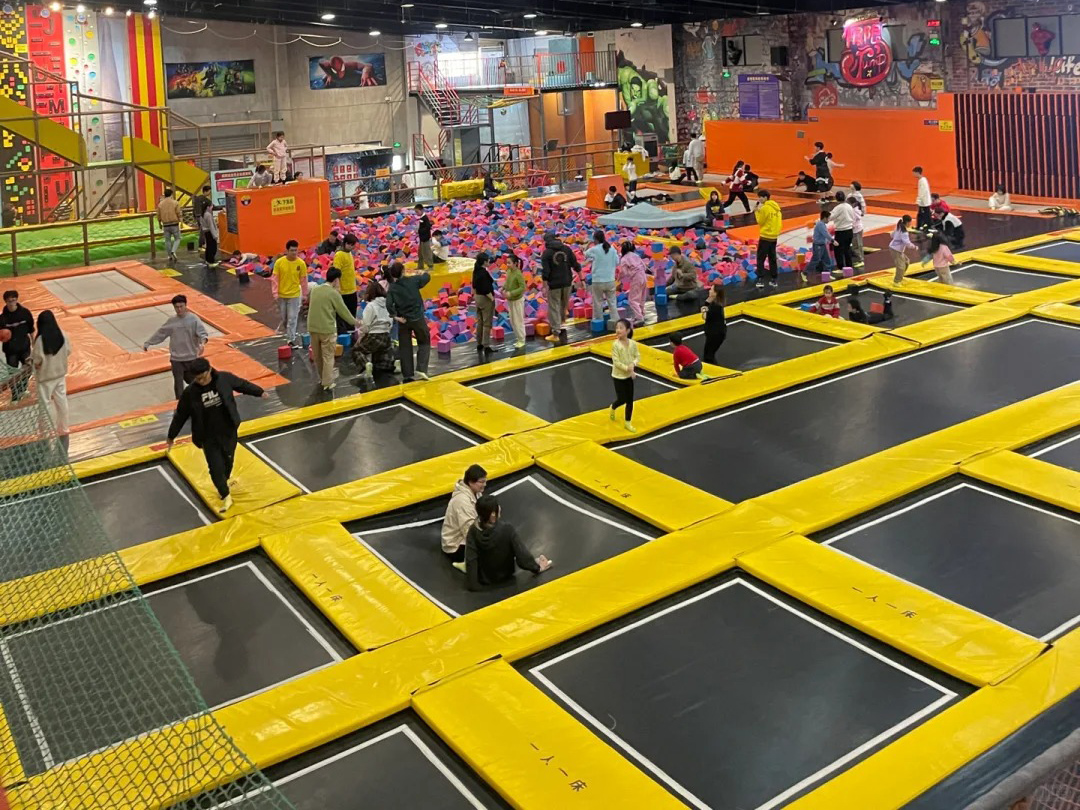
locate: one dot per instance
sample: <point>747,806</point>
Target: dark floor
<point>336,451</point>
<point>752,449</point>
<point>982,229</point>
<point>239,627</point>
<point>568,526</point>
<point>733,695</point>
<point>1015,561</point>
<point>1063,450</point>
<point>1066,250</point>
<point>1002,280</point>
<point>560,391</point>
<point>907,309</point>
<point>751,344</point>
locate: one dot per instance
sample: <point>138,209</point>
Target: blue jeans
<point>820,256</point>
<point>172,238</point>
<point>289,308</point>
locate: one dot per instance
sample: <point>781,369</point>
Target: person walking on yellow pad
<point>210,404</point>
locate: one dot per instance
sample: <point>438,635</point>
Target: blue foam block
<point>597,325</point>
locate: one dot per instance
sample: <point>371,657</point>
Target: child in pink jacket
<point>942,258</point>
<point>632,272</point>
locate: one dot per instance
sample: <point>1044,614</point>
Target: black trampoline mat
<point>755,448</point>
<point>348,448</point>
<point>735,697</point>
<point>751,344</point>
<point>49,530</point>
<point>236,631</point>
<point>907,309</point>
<point>561,390</point>
<point>996,279</point>
<point>568,526</point>
<point>1010,560</point>
<point>1065,452</point>
<point>1065,250</point>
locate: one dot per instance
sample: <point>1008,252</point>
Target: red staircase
<point>441,97</point>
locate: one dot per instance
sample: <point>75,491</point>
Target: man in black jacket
<point>558,265</point>
<point>405,304</point>
<point>211,406</point>
<point>425,257</point>
<point>20,322</point>
<point>199,203</point>
<point>492,549</point>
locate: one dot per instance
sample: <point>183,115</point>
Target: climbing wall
<point>17,191</point>
<point>50,96</point>
<point>82,45</point>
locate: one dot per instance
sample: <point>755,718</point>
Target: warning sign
<point>283,205</point>
<point>945,126</point>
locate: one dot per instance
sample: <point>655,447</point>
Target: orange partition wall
<point>262,220</point>
<point>598,189</point>
<point>878,146</point>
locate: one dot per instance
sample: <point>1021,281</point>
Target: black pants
<point>924,219</point>
<point>624,395</point>
<point>456,556</point>
<point>766,250</point>
<point>824,183</point>
<point>737,195</point>
<point>631,187</point>
<point>211,248</point>
<point>220,451</point>
<point>350,304</point>
<point>408,331</point>
<point>691,371</point>
<point>181,375</point>
<point>843,248</point>
<point>691,174</point>
<point>19,384</point>
<point>712,346</point>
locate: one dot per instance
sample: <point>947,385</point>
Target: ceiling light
<point>151,14</point>
<point>635,24</point>
<point>54,6</point>
<point>541,33</point>
<point>468,37</point>
<point>149,2</point>
<point>407,5</point>
<point>374,32</point>
<point>127,13</point>
<point>80,9</point>
<point>108,11</point>
<point>530,16</point>
<point>440,26</point>
<point>327,16</point>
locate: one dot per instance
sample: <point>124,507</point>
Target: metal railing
<point>546,71</point>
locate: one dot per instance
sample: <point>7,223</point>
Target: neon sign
<point>867,57</point>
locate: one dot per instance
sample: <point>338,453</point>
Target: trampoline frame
<point>457,673</point>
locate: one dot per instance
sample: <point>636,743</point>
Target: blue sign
<point>759,96</point>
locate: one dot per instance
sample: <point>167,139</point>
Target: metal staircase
<point>441,97</point>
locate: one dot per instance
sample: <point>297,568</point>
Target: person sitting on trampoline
<point>493,550</point>
<point>857,314</point>
<point>210,404</point>
<point>461,514</point>
<point>828,304</point>
<point>614,200</point>
<point>687,364</point>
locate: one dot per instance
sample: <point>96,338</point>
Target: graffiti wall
<point>880,57</point>
<point>977,65</point>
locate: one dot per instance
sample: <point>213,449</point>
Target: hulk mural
<point>645,95</point>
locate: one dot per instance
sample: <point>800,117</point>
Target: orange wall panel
<point>266,218</point>
<point>878,147</point>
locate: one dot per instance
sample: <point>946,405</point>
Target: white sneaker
<point>460,566</point>
<point>397,366</point>
<point>369,370</point>
<point>226,504</point>
<point>422,375</point>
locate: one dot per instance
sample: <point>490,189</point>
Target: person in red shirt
<point>828,304</point>
<point>687,364</point>
<point>938,207</point>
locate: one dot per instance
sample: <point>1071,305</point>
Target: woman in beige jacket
<point>461,514</point>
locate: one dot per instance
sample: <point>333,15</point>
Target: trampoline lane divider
<point>939,632</point>
<point>1021,261</point>
<point>322,410</point>
<point>1065,311</point>
<point>259,484</point>
<point>681,324</point>
<point>934,290</point>
<point>472,409</point>
<point>1028,476</point>
<point>364,599</point>
<point>659,499</point>
<point>88,468</point>
<point>776,313</point>
<point>837,495</point>
<point>510,365</point>
<point>659,363</point>
<point>528,748</point>
<point>964,323</point>
<point>902,771</point>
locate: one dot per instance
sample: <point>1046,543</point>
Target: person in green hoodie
<point>493,550</point>
<point>324,304</point>
<point>514,292</point>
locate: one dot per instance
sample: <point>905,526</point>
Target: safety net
<point>98,708</point>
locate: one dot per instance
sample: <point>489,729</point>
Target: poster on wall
<point>759,95</point>
<point>210,79</point>
<point>335,72</point>
<point>645,95</point>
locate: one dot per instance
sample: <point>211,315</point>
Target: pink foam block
<point>530,329</point>
<point>443,347</point>
<point>497,333</point>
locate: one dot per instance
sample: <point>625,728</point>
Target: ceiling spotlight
<point>541,33</point>
<point>635,24</point>
<point>407,5</point>
<point>108,11</point>
<point>374,32</point>
<point>151,14</point>
<point>80,9</point>
<point>128,13</point>
<point>530,16</point>
<point>54,6</point>
<point>440,26</point>
<point>468,37</point>
<point>149,2</point>
<point>327,16</point>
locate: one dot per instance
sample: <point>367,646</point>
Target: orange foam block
<point>543,329</point>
